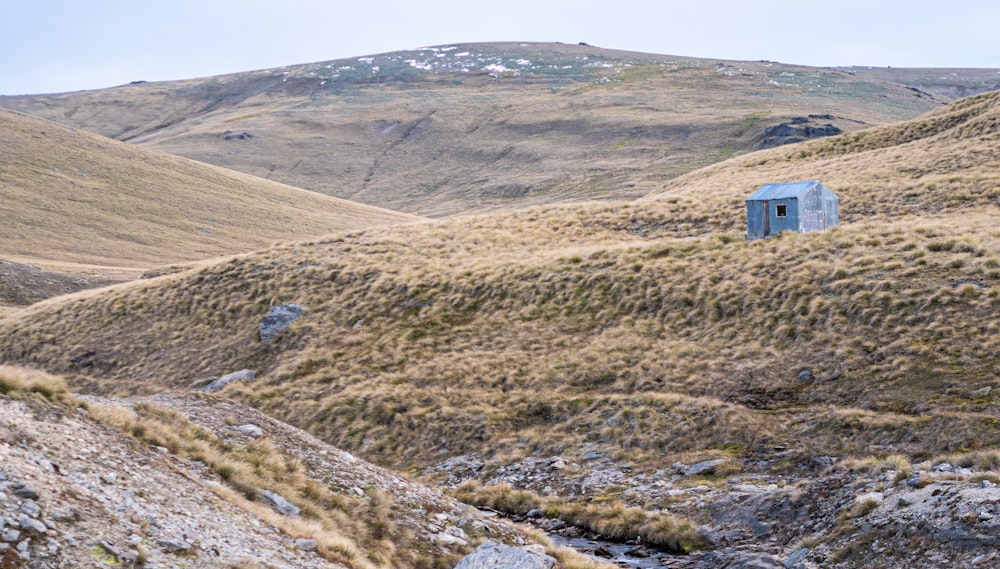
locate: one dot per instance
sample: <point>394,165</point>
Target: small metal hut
<point>790,206</point>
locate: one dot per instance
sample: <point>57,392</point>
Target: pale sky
<point>51,46</point>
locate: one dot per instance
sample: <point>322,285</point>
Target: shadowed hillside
<point>78,202</point>
<point>483,127</point>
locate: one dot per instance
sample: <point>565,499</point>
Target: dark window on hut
<point>781,210</point>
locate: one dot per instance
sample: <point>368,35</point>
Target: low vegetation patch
<point>19,383</point>
<point>611,521</point>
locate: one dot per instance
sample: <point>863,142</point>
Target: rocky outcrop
<point>278,503</point>
<point>242,375</point>
<point>492,555</point>
<point>798,130</point>
<point>821,514</point>
<point>76,493</point>
<point>279,318</point>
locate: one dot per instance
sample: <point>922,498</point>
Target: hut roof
<point>782,190</point>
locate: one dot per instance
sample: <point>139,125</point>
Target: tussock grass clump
<point>611,521</point>
<point>900,465</point>
<point>19,382</point>
<point>984,460</point>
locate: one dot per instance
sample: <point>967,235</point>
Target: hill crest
<point>472,128</point>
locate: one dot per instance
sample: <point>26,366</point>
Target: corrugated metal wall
<point>813,210</point>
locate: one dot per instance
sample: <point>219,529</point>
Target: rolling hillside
<point>824,395</point>
<point>487,127</point>
<point>552,329</point>
<point>75,202</point>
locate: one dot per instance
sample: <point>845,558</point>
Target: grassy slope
<point>70,198</point>
<point>576,122</point>
<point>943,163</point>
<point>649,330</point>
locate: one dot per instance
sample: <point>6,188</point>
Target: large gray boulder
<point>492,555</point>
<point>242,375</point>
<point>278,503</point>
<point>705,467</point>
<point>277,319</point>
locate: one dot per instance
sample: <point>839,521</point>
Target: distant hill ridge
<point>470,128</point>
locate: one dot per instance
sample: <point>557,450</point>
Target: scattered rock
<point>109,478</point>
<point>823,461</point>
<point>876,497</point>
<point>111,549</point>
<point>806,375</point>
<point>277,319</point>
<point>444,538</point>
<point>602,551</point>
<point>638,551</point>
<point>242,375</point>
<point>7,436</point>
<point>250,430</point>
<point>307,544</point>
<point>31,525</point>
<point>26,492</point>
<point>796,557</point>
<point>173,545</point>
<point>31,508</point>
<point>230,135</point>
<point>492,555</point>
<point>554,525</point>
<point>278,503</point>
<point>704,467</point>
<point>980,393</point>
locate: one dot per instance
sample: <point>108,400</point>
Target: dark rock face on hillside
<point>277,319</point>
<point>799,129</point>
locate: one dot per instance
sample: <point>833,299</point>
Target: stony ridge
<point>78,493</point>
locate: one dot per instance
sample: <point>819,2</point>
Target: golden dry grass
<point>17,382</point>
<point>610,521</point>
<point>71,199</point>
<point>651,331</point>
